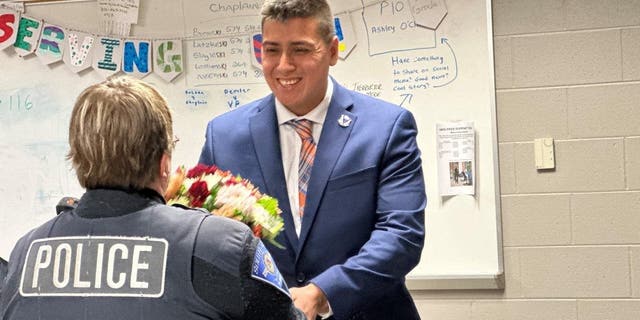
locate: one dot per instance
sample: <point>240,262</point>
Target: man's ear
<point>334,50</point>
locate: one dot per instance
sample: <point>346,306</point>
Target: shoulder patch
<point>265,270</point>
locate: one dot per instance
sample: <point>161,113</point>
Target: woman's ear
<point>165,163</point>
<point>165,171</point>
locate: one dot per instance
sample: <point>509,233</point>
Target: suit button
<point>300,277</point>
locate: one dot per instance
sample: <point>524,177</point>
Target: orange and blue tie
<point>307,154</point>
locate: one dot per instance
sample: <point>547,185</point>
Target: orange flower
<point>175,181</point>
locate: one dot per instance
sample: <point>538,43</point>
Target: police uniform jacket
<point>126,255</point>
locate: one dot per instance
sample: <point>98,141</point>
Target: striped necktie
<point>307,154</point>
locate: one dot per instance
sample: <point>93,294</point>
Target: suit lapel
<point>332,140</point>
<point>266,141</point>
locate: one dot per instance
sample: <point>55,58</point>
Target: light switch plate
<point>544,153</point>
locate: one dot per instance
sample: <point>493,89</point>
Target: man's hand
<point>310,299</point>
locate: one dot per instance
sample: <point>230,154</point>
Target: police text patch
<point>264,269</point>
<point>95,266</point>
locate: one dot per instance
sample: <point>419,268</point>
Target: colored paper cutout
<point>8,25</point>
<point>137,58</point>
<point>168,59</point>
<point>107,59</point>
<point>51,46</point>
<point>346,35</point>
<point>256,57</point>
<point>78,51</point>
<point>28,35</point>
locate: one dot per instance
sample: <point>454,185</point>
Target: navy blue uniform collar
<point>112,202</point>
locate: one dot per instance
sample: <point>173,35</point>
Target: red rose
<point>197,171</point>
<point>198,192</point>
<point>212,169</point>
<point>196,203</point>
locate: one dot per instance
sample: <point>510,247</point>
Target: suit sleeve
<point>396,242</point>
<point>206,155</point>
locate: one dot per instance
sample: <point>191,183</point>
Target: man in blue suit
<point>352,191</point>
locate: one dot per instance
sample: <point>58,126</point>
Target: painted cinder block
<point>524,310</point>
<point>604,110</point>
<point>581,165</point>
<point>507,168</point>
<point>529,220</point>
<point>502,63</point>
<point>606,218</point>
<point>524,115</point>
<point>632,159</point>
<point>631,52</point>
<point>575,272</point>
<point>568,58</point>
<point>525,16</point>
<point>608,309</point>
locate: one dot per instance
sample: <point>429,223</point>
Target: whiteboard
<point>443,72</point>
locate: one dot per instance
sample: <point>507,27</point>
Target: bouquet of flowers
<point>223,194</point>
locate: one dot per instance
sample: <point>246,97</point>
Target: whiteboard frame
<point>470,281</point>
<point>456,282</point>
<point>446,281</point>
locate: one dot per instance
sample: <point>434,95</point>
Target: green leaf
<point>209,203</point>
<point>276,244</point>
<point>270,204</point>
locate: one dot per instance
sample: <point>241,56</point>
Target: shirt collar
<point>316,115</point>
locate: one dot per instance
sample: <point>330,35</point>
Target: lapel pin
<point>344,120</point>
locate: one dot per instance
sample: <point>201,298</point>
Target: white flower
<point>211,179</point>
<point>236,195</point>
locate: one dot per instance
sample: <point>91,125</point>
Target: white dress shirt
<point>290,145</point>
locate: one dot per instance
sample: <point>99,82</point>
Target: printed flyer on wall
<point>456,157</point>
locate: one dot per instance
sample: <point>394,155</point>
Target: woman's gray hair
<point>119,130</point>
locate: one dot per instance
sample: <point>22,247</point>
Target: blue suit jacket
<point>363,228</point>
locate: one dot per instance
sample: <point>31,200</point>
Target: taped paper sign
<point>456,157</point>
<point>117,16</point>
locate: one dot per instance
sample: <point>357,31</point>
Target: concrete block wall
<point>569,70</point>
